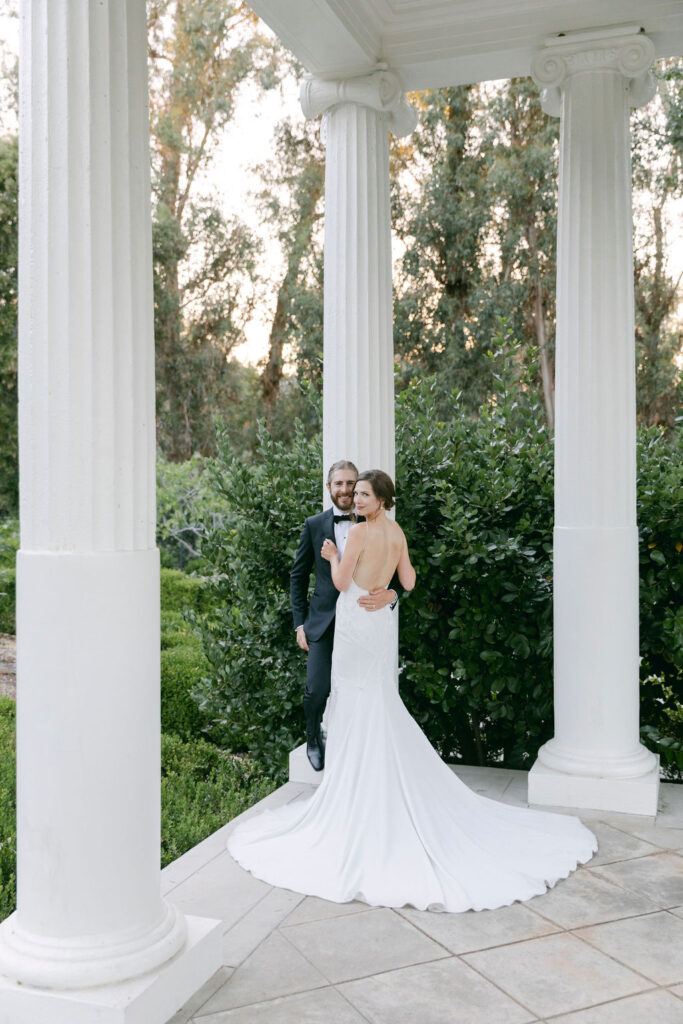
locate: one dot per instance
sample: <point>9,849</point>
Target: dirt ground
<point>8,663</point>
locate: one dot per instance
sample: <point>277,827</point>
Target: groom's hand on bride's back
<point>377,598</point>
<point>301,639</point>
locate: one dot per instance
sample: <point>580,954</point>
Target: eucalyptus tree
<point>441,208</point>
<point>201,52</point>
<point>9,470</point>
<point>522,147</point>
<point>475,209</point>
<point>658,184</point>
<point>292,201</point>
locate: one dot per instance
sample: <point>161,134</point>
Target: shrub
<point>8,822</point>
<point>182,668</point>
<point>7,600</point>
<point>255,688</point>
<point>9,542</point>
<point>475,497</point>
<point>179,591</point>
<point>660,517</point>
<point>176,631</point>
<point>202,787</point>
<point>185,504</point>
<point>476,635</point>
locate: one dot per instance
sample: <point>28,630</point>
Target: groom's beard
<point>343,504</point>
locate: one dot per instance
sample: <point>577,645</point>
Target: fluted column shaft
<point>591,80</point>
<point>89,909</point>
<point>358,387</point>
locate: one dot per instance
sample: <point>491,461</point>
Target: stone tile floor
<point>604,946</point>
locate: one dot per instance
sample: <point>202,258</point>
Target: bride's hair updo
<point>382,485</point>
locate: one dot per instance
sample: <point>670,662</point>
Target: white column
<point>89,910</point>
<point>358,364</point>
<point>595,759</point>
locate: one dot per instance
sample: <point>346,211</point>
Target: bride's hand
<point>328,550</point>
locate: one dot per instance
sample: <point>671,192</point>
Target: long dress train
<point>391,824</point>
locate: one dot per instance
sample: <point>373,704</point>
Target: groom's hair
<point>342,464</point>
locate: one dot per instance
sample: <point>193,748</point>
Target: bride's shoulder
<point>398,532</point>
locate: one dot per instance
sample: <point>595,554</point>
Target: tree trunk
<point>539,322</point>
<point>307,216</point>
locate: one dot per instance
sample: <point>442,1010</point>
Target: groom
<point>314,619</point>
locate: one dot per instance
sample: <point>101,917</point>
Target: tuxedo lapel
<point>328,525</point>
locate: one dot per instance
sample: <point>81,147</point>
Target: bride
<point>391,824</point>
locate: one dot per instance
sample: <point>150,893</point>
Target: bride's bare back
<point>376,548</point>
<point>383,543</point>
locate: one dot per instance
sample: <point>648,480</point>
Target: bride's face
<point>367,502</point>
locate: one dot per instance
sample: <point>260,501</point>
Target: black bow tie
<point>342,519</point>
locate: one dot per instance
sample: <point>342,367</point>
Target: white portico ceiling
<point>431,43</point>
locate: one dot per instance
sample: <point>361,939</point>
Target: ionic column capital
<point>382,90</point>
<point>625,49</point>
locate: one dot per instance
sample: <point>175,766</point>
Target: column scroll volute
<point>381,90</point>
<point>625,49</point>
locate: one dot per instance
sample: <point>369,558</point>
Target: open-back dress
<point>391,824</point>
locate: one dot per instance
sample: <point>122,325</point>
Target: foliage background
<point>475,497</point>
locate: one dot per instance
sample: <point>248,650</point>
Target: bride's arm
<point>342,570</point>
<point>405,570</point>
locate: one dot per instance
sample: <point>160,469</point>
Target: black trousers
<point>318,673</point>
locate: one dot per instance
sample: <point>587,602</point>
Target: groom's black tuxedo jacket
<point>316,615</point>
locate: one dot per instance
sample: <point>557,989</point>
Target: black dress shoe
<point>315,754</point>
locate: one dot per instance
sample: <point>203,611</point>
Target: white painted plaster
<point>591,79</point>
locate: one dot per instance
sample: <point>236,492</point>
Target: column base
<point>42,962</point>
<point>150,999</point>
<point>549,787</point>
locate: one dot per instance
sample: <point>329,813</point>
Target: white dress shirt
<point>341,533</point>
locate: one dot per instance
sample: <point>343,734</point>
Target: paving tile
<point>257,924</point>
<point>221,889</point>
<point>657,1006</point>
<point>201,995</point>
<point>357,945</point>
<point>481,929</point>
<point>555,974</point>
<point>517,792</point>
<point>652,945</point>
<point>615,844</point>
<point>586,898</point>
<point>445,992</point>
<point>312,908</point>
<point>677,990</point>
<point>659,877</point>
<point>658,835</point>
<point>678,911</point>
<point>323,1006</point>
<point>670,811</point>
<point>490,782</point>
<point>275,969</point>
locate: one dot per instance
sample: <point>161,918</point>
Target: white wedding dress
<point>391,824</point>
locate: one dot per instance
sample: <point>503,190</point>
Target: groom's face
<point>341,489</point>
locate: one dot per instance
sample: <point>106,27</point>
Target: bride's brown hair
<point>382,485</point>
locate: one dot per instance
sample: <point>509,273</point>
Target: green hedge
<point>182,669</point>
<point>475,497</point>
<point>202,788</point>
<point>8,823</point>
<point>180,592</point>
<point>7,600</point>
